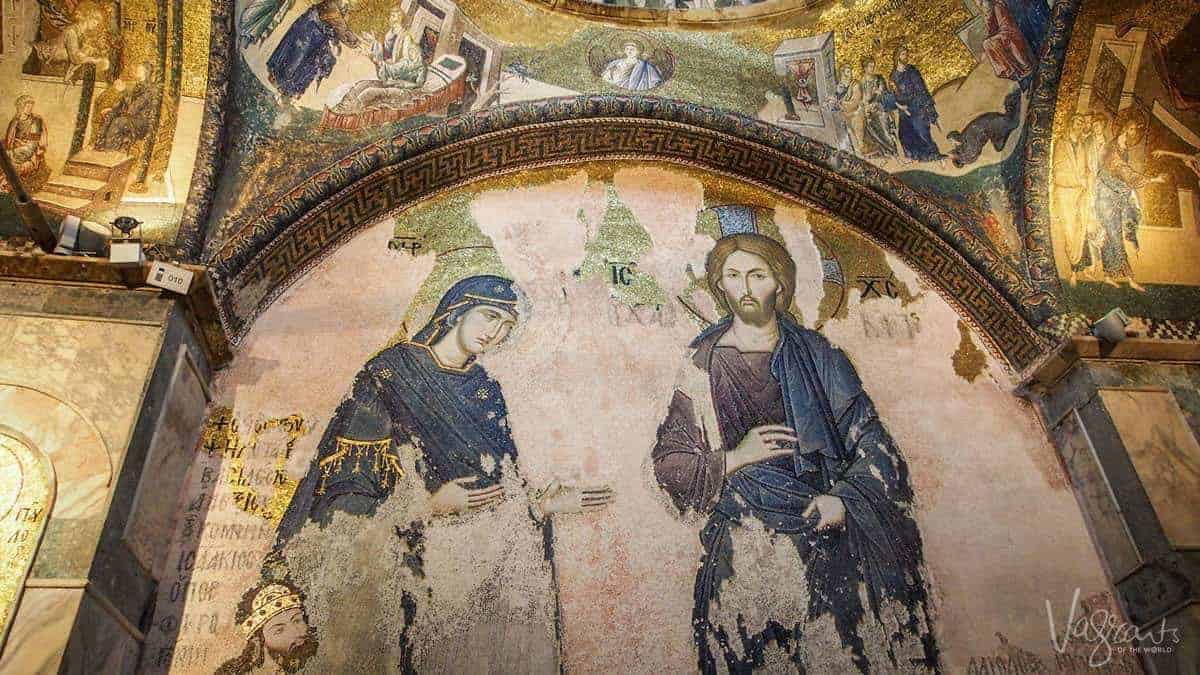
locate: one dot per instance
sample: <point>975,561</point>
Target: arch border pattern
<point>1039,125</point>
<point>210,150</point>
<point>262,258</point>
<point>768,12</point>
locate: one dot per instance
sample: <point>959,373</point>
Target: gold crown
<point>267,603</point>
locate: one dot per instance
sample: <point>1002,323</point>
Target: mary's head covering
<point>484,289</point>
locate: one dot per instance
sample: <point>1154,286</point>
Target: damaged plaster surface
<point>586,374</point>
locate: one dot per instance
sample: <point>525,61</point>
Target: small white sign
<point>170,277</point>
<point>126,253</point>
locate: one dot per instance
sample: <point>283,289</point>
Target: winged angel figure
<point>641,66</point>
<point>72,43</point>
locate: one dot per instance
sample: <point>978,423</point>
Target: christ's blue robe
<point>844,451</point>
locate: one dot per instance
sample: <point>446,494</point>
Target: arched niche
<point>263,257</point>
<point>75,460</point>
<point>27,496</point>
<point>69,441</point>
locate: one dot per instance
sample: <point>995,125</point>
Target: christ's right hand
<point>759,445</point>
<point>453,498</point>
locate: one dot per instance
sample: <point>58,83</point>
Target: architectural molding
<point>267,251</point>
<point>255,264</point>
<point>1039,128</point>
<point>768,12</point>
<point>210,151</point>
<point>200,302</point>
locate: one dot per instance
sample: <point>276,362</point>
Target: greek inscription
<point>29,514</point>
<point>181,656</point>
<point>622,273</point>
<point>878,287</point>
<point>200,623</point>
<point>410,244</point>
<point>620,314</point>
<point>222,437</point>
<point>891,326</point>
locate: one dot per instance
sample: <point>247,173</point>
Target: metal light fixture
<point>81,237</point>
<point>1111,328</point>
<point>125,249</point>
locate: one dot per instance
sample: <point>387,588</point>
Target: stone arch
<point>264,256</point>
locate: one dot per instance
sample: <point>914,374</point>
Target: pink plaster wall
<point>1002,533</point>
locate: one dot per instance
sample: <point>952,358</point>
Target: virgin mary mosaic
<point>413,476</point>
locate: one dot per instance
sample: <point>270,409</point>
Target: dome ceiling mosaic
<point>217,140</point>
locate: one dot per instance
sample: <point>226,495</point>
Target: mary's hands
<point>453,497</point>
<point>560,498</point>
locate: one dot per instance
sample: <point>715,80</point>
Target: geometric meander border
<point>266,255</point>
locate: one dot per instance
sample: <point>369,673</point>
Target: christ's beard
<point>750,311</point>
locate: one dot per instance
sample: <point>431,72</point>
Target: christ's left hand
<point>831,510</point>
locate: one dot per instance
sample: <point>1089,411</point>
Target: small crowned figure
<point>271,618</point>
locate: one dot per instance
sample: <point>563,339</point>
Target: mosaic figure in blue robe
<point>1033,18</point>
<point>632,71</point>
<point>810,553</point>
<point>1118,209</point>
<point>428,395</point>
<point>456,412</point>
<point>918,114</point>
<point>309,49</point>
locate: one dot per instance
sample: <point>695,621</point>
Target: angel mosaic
<point>70,37</point>
<point>631,61</point>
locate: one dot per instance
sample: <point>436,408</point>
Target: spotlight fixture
<point>1111,328</point>
<point>81,237</point>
